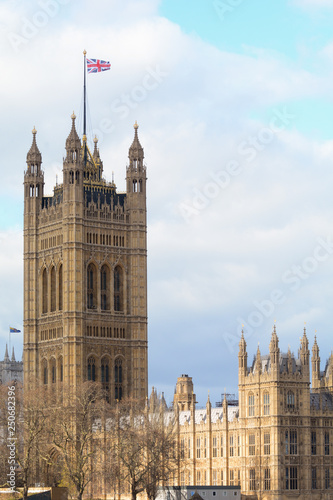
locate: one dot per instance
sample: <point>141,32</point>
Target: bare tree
<point>142,447</point>
<point>72,435</point>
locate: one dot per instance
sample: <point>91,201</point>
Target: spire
<point>315,349</point>
<point>34,156</point>
<point>96,150</point>
<point>13,355</point>
<point>73,142</point>
<point>258,360</point>
<point>6,358</point>
<point>136,150</point>
<point>274,348</point>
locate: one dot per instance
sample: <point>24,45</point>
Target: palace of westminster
<point>85,318</point>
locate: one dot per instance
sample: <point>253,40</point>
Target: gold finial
<point>34,131</point>
<point>95,139</point>
<point>84,52</point>
<point>73,116</point>
<point>136,126</point>
<point>84,138</point>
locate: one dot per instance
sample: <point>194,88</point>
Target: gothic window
<point>45,373</point>
<point>60,369</point>
<point>232,477</point>
<point>221,446</point>
<point>266,403</point>
<point>182,448</point>
<point>291,478</point>
<point>314,478</point>
<point>291,442</point>
<point>267,479</point>
<point>44,295</point>
<point>118,379</point>
<point>91,369</point>
<point>290,400</point>
<point>60,287</point>
<point>71,177</point>
<point>105,288</point>
<point>231,447</point>
<point>105,376</point>
<point>53,372</point>
<point>252,485</point>
<point>251,405</point>
<point>313,443</point>
<point>214,447</point>
<point>252,444</point>
<point>327,479</point>
<point>53,289</point>
<point>327,443</point>
<point>91,287</point>
<point>198,447</point>
<point>118,289</point>
<point>267,444</point>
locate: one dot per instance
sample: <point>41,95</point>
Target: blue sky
<point>238,137</point>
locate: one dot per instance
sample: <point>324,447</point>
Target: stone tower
<point>85,273</point>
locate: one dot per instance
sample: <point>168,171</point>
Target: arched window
<point>53,371</point>
<point>118,289</point>
<point>53,289</point>
<point>91,287</point>
<point>290,400</point>
<point>118,379</point>
<point>105,377</point>
<point>91,369</point>
<point>105,288</point>
<point>266,403</point>
<point>251,405</point>
<point>44,295</point>
<point>45,372</point>
<point>60,288</point>
<point>60,369</point>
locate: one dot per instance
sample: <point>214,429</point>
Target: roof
<point>201,415</point>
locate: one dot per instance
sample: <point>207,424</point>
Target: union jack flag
<point>97,65</point>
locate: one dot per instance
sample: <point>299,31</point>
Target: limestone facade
<point>85,273</point>
<point>277,443</point>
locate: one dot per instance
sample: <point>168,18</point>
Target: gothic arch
<point>60,286</point>
<point>53,288</point>
<point>92,368</point>
<point>119,366</point>
<point>118,287</point>
<point>92,285</point>
<point>105,287</point>
<point>44,276</point>
<point>44,371</point>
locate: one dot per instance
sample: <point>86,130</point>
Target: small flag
<point>97,65</point>
<point>14,330</point>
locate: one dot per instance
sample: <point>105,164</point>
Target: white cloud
<point>197,112</point>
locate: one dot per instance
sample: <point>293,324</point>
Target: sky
<point>234,104</point>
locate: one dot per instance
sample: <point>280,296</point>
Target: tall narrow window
<point>60,288</point>
<point>267,444</point>
<point>105,377</point>
<point>267,478</point>
<point>105,288</point>
<point>327,443</point>
<point>118,289</point>
<point>314,478</point>
<point>327,479</point>
<point>118,379</point>
<point>53,289</point>
<point>91,287</point>
<point>231,448</point>
<point>251,405</point>
<point>44,281</point>
<point>45,373</point>
<point>290,400</point>
<point>313,443</point>
<point>252,444</point>
<point>291,478</point>
<point>198,447</point>
<point>91,369</point>
<point>252,485</point>
<point>266,403</point>
<point>60,369</point>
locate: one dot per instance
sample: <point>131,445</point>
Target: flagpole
<point>84,93</point>
<point>84,110</point>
